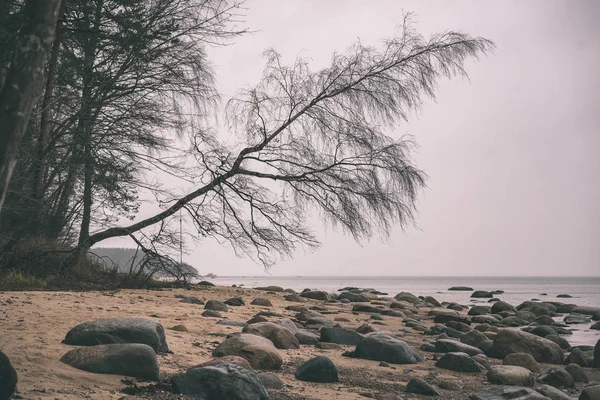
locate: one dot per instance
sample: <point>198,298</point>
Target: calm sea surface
<point>585,290</point>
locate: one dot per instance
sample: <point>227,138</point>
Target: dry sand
<point>33,324</point>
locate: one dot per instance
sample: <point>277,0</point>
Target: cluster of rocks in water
<point>520,350</point>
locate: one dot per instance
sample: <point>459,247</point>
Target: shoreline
<point>35,323</point>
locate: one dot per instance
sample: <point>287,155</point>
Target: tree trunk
<point>42,139</point>
<point>88,161</point>
<point>23,81</point>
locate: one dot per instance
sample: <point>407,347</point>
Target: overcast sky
<point>513,156</point>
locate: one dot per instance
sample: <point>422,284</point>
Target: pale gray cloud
<point>513,156</point>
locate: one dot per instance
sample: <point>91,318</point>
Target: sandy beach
<point>33,324</point>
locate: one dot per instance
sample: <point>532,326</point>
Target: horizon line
<point>403,276</point>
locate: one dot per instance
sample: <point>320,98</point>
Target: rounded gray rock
<point>119,330</point>
<point>459,362</point>
<point>318,369</point>
<point>221,381</point>
<point>259,351</point>
<point>8,377</point>
<point>379,347</point>
<point>129,359</point>
<point>510,375</point>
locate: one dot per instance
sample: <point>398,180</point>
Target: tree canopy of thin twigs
<point>318,140</point>
<point>120,82</point>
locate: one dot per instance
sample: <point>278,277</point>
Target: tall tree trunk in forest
<point>23,81</point>
<point>42,139</point>
<point>88,71</point>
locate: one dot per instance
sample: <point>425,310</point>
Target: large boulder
<point>318,369</point>
<point>557,377</point>
<point>259,351</point>
<point>316,295</point>
<point>459,362</point>
<point>509,341</point>
<point>452,346</point>
<point>386,348</point>
<point>340,336</point>
<point>129,359</point>
<point>524,360</point>
<point>221,381</point>
<point>597,354</point>
<point>8,377</point>
<point>119,330</point>
<point>281,337</point>
<point>510,375</point>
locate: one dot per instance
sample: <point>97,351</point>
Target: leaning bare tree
<point>317,141</point>
<point>24,81</point>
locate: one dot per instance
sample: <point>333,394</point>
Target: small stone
<point>590,393</point>
<point>577,373</point>
<point>215,305</point>
<point>270,380</point>
<point>318,369</point>
<point>419,386</point>
<point>232,323</point>
<point>510,375</point>
<point>557,377</point>
<point>328,346</point>
<point>211,314</point>
<point>522,360</point>
<point>259,301</point>
<point>235,360</point>
<point>234,302</point>
<point>179,328</point>
<point>553,393</point>
<point>459,362</point>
